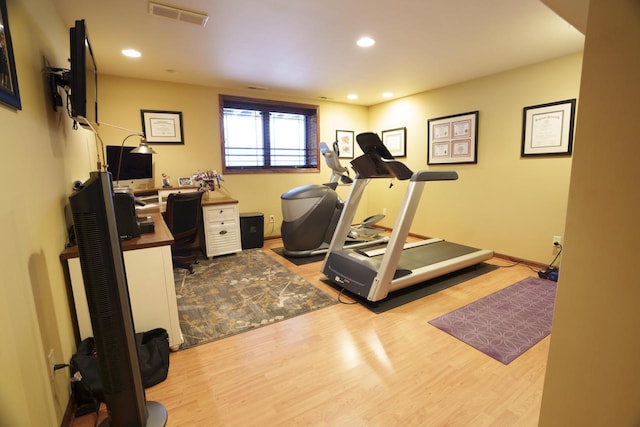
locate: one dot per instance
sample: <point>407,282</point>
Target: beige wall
<point>510,204</point>
<point>592,374</point>
<point>122,99</point>
<point>39,153</point>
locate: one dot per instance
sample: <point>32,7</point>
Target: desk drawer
<point>220,213</point>
<point>222,238</point>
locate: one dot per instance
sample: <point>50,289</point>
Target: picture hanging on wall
<point>9,93</point>
<point>345,143</point>
<point>547,129</point>
<point>162,126</point>
<point>396,141</point>
<point>453,139</point>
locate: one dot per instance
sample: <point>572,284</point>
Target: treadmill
<point>374,272</point>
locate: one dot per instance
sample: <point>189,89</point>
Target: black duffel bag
<point>153,354</point>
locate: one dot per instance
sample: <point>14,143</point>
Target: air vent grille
<point>177,14</point>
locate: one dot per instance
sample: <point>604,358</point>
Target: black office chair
<point>184,218</point>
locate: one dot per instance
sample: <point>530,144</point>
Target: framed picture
<point>162,126</point>
<point>9,93</point>
<point>453,139</point>
<point>396,141</point>
<point>547,129</point>
<point>345,143</point>
<point>184,181</point>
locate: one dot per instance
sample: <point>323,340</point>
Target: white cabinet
<point>151,292</point>
<point>221,225</point>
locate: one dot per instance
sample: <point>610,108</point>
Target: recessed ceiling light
<point>365,42</point>
<point>387,94</point>
<point>352,96</point>
<point>131,53</point>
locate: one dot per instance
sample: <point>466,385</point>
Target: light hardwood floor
<point>346,366</point>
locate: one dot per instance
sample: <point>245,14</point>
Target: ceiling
<point>307,48</point>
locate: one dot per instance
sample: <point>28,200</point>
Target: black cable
<point>345,302</point>
<point>558,254</point>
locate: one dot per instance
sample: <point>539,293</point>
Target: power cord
<point>345,302</point>
<point>551,272</point>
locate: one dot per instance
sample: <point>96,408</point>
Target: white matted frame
<point>345,143</point>
<point>547,129</point>
<point>396,141</point>
<point>453,139</point>
<point>185,181</point>
<point>162,127</point>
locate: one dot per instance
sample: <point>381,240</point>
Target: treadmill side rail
<point>434,176</point>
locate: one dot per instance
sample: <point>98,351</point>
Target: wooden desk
<point>152,292</point>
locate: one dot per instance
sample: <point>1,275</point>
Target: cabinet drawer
<point>219,213</point>
<point>223,230</point>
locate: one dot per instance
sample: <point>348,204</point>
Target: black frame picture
<point>396,141</point>
<point>453,139</point>
<point>9,93</point>
<point>547,129</point>
<point>162,127</point>
<point>345,143</point>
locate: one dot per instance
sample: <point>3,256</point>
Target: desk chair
<point>184,218</point>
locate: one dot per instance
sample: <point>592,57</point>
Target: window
<point>261,135</point>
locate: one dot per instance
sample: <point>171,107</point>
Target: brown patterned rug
<point>235,293</point>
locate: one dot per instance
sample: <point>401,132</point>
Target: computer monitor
<point>129,169</point>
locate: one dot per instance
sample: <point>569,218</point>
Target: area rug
<point>506,323</point>
<point>421,290</point>
<point>231,294</point>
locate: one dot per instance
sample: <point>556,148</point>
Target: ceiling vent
<point>177,14</point>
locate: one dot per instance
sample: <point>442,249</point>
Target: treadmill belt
<point>433,253</point>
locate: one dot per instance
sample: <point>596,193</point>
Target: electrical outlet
<point>557,240</point>
<point>272,218</point>
<point>51,357</point>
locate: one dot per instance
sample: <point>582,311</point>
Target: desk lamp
<point>142,148</point>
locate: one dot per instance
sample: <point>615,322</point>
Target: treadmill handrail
<point>434,176</point>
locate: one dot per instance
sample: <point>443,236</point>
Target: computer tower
<point>126,217</point>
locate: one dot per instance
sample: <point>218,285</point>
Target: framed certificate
<point>453,139</point>
<point>547,129</point>
<point>162,126</point>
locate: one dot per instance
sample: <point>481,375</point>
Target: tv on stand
<point>105,282</point>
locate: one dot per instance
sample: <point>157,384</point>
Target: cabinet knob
<point>223,232</point>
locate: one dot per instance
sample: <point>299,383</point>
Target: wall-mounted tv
<point>83,77</point>
<point>129,169</point>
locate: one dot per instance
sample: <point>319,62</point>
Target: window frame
<point>313,140</point>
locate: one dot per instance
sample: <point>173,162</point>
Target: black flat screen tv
<point>105,283</point>
<point>83,77</point>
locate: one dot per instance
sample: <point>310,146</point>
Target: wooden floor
<point>346,366</point>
